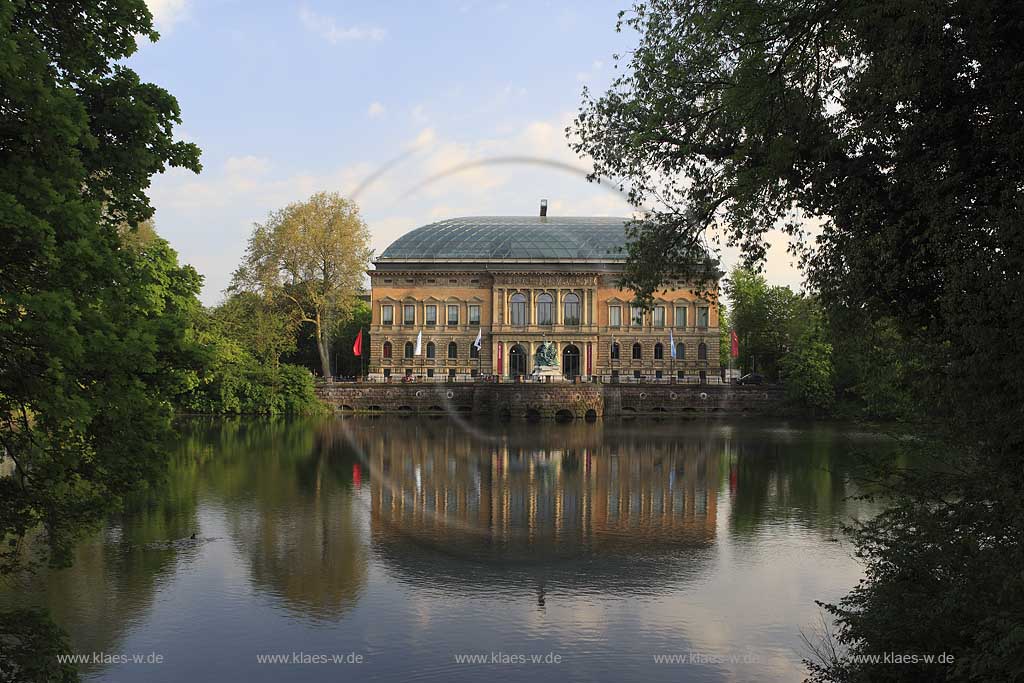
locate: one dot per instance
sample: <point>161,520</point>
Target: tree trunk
<point>322,346</point>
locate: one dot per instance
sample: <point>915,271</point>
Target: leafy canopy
<point>94,329</point>
<point>312,257</point>
<point>896,127</point>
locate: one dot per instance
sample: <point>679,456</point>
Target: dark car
<point>752,378</point>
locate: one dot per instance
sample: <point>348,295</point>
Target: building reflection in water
<point>600,507</point>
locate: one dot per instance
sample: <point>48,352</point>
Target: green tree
<point>806,366</point>
<point>94,337</point>
<point>895,125</point>
<point>243,341</point>
<point>311,257</point>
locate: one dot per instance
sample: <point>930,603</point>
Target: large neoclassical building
<point>519,282</point>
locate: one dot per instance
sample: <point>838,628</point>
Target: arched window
<point>615,350</point>
<point>386,351</point>
<point>571,309</point>
<point>431,350</point>
<point>517,309</point>
<point>659,351</point>
<point>638,351</point>
<point>702,351</point>
<point>453,350</point>
<point>474,352</point>
<point>544,308</point>
<point>680,351</point>
<point>409,348</point>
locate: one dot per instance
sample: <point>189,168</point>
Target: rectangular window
<point>544,309</point>
<point>431,315</point>
<point>702,316</point>
<point>387,315</point>
<point>517,309</point>
<point>409,314</point>
<point>636,315</point>
<point>659,316</point>
<point>680,316</point>
<point>387,372</point>
<point>453,314</point>
<point>430,372</point>
<point>658,374</point>
<point>474,314</point>
<point>615,316</point>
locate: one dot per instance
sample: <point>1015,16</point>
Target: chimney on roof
<point>543,208</point>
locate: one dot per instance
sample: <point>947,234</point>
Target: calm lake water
<point>417,544</point>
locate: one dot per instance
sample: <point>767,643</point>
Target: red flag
<point>357,348</point>
<point>734,351</point>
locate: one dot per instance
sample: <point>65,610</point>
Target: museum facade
<point>478,297</point>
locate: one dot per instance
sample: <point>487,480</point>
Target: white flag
<point>671,344</point>
<point>419,343</point>
<point>479,338</point>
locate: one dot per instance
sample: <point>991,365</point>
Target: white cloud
<point>425,138</point>
<point>375,110</point>
<point>329,29</point>
<point>167,13</point>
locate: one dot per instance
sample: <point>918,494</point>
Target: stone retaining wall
<point>547,401</point>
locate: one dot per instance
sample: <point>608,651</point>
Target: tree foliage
<point>311,257</point>
<point>896,127</point>
<point>243,340</point>
<point>784,336</point>
<point>94,340</point>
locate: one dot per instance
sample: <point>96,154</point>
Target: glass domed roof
<point>487,238</point>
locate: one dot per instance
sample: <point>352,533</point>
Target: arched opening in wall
<point>435,409</point>
<point>517,361</point>
<point>564,415</point>
<point>347,408</point>
<point>591,415</point>
<point>660,409</point>
<point>628,412</point>
<point>405,409</point>
<point>571,362</point>
<point>374,409</point>
<point>533,415</point>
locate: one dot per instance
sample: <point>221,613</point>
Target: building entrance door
<point>517,361</point>
<point>571,362</point>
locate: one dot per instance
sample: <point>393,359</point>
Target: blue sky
<point>289,98</point>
